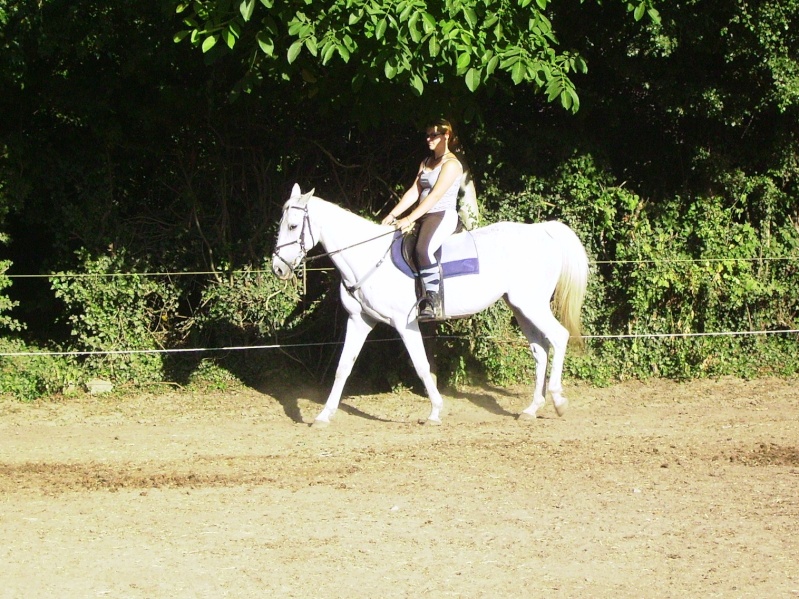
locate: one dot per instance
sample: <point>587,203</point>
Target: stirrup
<point>429,306</point>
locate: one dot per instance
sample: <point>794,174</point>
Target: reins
<point>334,252</point>
<point>353,288</point>
<point>301,240</point>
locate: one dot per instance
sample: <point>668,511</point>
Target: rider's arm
<point>407,200</point>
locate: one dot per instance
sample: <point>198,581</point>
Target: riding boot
<point>430,306</point>
<point>430,303</point>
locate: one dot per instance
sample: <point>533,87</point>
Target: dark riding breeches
<point>434,228</point>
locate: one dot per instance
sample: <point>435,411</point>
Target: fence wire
<point>300,345</point>
<point>229,348</point>
<point>75,275</point>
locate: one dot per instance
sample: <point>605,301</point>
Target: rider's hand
<point>404,224</point>
<point>389,220</point>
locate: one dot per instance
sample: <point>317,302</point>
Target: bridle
<point>306,224</point>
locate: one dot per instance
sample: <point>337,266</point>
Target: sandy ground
<point>651,489</point>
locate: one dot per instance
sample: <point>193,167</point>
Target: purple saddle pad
<point>458,255</point>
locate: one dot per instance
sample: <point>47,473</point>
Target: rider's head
<point>444,127</point>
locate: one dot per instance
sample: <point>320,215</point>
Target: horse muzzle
<point>281,268</point>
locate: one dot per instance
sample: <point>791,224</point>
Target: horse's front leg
<point>358,328</point>
<point>412,338</point>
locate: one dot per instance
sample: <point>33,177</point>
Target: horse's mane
<point>345,213</point>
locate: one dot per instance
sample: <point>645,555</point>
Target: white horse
<point>523,264</point>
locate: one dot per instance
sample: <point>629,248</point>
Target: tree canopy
<point>349,50</point>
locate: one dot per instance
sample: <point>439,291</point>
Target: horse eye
<point>292,227</point>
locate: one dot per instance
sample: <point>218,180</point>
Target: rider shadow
<point>289,393</point>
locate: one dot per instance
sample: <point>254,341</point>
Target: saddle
<point>457,257</point>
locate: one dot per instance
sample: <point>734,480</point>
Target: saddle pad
<point>458,255</point>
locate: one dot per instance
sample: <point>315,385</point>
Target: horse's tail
<point>573,281</point>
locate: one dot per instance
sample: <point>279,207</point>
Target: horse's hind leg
<point>546,332</point>
<point>558,337</point>
<point>540,348</point>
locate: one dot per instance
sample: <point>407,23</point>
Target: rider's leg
<point>434,228</point>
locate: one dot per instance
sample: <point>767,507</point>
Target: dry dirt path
<point>641,490</point>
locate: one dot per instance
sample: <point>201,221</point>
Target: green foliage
<point>245,301</point>
<point>697,270</point>
<point>768,29</point>
<point>681,161</point>
<point>493,342</point>
<point>209,375</point>
<point>7,304</point>
<point>29,377</point>
<point>463,44</point>
<point>673,268</point>
<point>733,104</point>
<point>111,308</point>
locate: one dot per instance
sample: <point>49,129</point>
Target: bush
<point>110,308</point>
<point>6,304</point>
<point>252,302</point>
<point>29,377</point>
<point>705,265</point>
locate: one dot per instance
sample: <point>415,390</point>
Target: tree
<point>374,52</point>
<point>714,87</point>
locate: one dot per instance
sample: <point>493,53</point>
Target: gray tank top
<point>449,201</point>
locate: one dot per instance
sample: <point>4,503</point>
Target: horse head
<point>295,236</point>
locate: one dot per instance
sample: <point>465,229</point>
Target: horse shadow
<point>485,398</point>
<point>290,395</point>
<point>294,386</point>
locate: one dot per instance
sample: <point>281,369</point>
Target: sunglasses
<point>432,135</point>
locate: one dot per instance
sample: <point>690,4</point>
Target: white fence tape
<point>296,345</point>
<point>280,346</point>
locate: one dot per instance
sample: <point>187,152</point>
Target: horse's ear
<point>305,197</point>
<point>295,191</point>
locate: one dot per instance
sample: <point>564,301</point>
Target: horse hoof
<point>430,422</point>
<point>560,409</point>
<point>320,424</point>
<point>526,417</point>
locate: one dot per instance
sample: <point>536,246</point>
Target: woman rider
<point>434,197</point>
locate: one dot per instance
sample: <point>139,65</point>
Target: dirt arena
<point>653,489</point>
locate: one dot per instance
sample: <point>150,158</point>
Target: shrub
<point>29,377</point>
<point>704,265</point>
<point>248,300</point>
<point>109,308</point>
